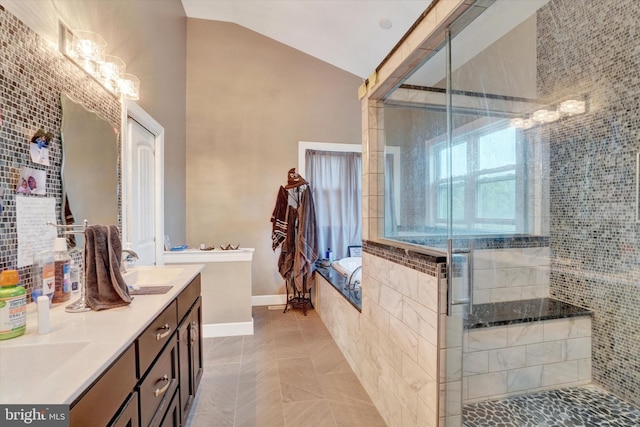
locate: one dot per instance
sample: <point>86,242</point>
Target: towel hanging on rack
<point>288,247</point>
<point>306,242</point>
<point>279,218</point>
<point>105,286</point>
<point>295,231</point>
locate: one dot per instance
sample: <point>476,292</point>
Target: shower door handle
<point>469,299</point>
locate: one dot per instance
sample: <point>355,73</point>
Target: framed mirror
<point>90,158</point>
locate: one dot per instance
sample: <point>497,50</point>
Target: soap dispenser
<point>329,255</point>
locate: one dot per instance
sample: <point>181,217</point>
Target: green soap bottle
<point>13,305</point>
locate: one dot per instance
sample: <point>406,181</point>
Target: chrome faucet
<point>129,257</point>
<point>357,282</point>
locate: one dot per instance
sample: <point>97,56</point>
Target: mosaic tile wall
<point>414,260</point>
<point>33,75</point>
<point>594,233</point>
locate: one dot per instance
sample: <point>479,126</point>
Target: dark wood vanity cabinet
<point>190,343</point>
<point>158,387</point>
<point>128,415</point>
<point>108,395</point>
<point>153,382</point>
<point>172,417</point>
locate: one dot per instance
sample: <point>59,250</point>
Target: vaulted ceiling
<point>349,34</point>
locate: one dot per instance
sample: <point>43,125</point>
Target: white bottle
<point>43,302</point>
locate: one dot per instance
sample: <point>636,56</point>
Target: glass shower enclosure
<point>513,149</point>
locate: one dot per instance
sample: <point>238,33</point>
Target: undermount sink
<point>151,275</point>
<point>39,359</point>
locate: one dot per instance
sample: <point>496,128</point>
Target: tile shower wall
<point>33,75</point>
<point>526,357</point>
<point>594,232</point>
<point>510,274</point>
<point>392,345</point>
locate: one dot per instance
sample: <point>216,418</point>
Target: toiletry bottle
<point>327,254</point>
<point>13,305</point>
<point>330,255</point>
<point>62,271</point>
<point>74,274</point>
<point>44,326</point>
<point>45,274</point>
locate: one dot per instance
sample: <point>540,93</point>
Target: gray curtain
<point>336,180</point>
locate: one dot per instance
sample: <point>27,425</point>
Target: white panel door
<point>142,201</point>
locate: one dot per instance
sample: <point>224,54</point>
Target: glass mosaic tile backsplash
<point>33,75</point>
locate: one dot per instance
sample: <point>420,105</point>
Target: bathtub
<point>346,267</point>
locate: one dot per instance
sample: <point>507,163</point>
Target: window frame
<point>470,135</point>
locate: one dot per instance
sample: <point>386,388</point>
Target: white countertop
<point>214,255</point>
<point>57,367</point>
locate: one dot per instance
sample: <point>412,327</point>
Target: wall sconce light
<point>129,86</point>
<point>521,123</point>
<point>87,46</point>
<point>111,71</point>
<point>570,107</point>
<point>88,50</point>
<point>545,116</point>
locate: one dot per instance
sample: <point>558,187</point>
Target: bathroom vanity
<point>226,288</point>
<point>134,365</point>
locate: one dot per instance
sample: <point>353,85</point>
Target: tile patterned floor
<point>587,406</point>
<point>290,373</point>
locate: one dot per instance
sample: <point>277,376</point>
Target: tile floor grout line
<point>235,404</point>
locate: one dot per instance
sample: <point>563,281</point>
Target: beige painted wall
<point>151,39</point>
<point>250,100</point>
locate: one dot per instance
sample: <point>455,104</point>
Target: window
<point>335,174</point>
<point>485,173</point>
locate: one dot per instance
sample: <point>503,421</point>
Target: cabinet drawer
<point>128,415</point>
<point>188,296</point>
<point>172,417</point>
<point>104,398</point>
<point>159,385</point>
<point>151,341</point>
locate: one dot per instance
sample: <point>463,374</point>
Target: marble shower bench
<point>518,347</point>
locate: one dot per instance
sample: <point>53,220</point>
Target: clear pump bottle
<point>62,271</point>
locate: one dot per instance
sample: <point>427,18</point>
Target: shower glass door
<point>513,150</point>
<point>496,192</point>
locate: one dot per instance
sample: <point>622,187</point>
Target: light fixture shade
<point>521,123</point>
<point>87,46</point>
<point>129,86</point>
<point>88,50</point>
<point>545,116</point>
<point>572,106</point>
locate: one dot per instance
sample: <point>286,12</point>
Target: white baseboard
<point>212,330</point>
<point>277,299</point>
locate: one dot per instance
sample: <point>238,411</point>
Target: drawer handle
<point>194,332</point>
<point>164,334</point>
<point>162,390</point>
